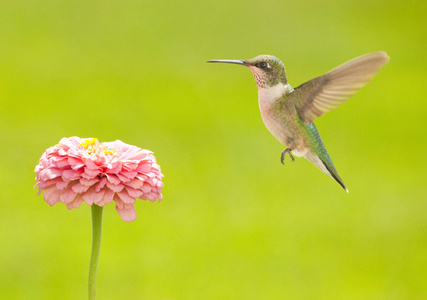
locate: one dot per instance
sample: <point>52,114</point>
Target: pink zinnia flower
<point>78,170</point>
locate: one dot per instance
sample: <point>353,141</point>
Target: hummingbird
<point>289,113</point>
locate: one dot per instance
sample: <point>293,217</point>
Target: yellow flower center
<point>108,151</point>
<point>89,144</point>
<point>92,146</point>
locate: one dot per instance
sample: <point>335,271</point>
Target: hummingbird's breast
<point>280,118</point>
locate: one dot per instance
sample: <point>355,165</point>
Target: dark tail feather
<point>335,175</point>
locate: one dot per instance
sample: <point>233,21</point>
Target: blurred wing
<point>322,94</point>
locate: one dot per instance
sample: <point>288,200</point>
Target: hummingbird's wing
<point>324,93</point>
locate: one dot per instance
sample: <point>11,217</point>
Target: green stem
<point>96,246</point>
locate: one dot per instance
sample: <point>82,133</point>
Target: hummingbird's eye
<point>263,64</point>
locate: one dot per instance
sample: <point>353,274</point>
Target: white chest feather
<point>267,97</point>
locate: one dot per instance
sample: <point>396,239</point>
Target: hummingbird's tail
<point>326,166</point>
<point>317,154</point>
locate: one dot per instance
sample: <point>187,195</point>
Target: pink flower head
<point>78,170</point>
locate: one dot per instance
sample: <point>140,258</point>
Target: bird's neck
<point>268,95</point>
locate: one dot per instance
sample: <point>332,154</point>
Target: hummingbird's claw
<point>287,150</point>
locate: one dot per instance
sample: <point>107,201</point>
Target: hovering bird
<point>289,113</point>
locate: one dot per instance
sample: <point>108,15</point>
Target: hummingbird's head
<point>268,70</point>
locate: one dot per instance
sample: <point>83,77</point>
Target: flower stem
<point>96,246</point>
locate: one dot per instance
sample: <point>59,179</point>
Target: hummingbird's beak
<point>237,62</point>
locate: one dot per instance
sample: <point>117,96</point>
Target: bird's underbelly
<point>285,132</point>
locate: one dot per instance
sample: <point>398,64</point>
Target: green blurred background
<point>234,223</point>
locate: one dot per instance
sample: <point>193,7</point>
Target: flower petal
<point>115,188</point>
<point>135,183</point>
<point>108,197</point>
<point>91,196</point>
<point>133,192</point>
<point>124,196</point>
<point>127,214</point>
<point>88,182</point>
<point>75,163</point>
<point>113,178</point>
<point>43,184</point>
<point>75,203</point>
<point>91,165</point>
<point>61,185</point>
<point>68,196</point>
<point>79,188</point>
<point>51,195</point>
<point>123,178</point>
<point>101,184</point>
<point>92,172</point>
<point>146,187</point>
<point>49,173</point>
<point>71,174</point>
<point>144,168</point>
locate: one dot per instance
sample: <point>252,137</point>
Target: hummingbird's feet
<point>287,150</point>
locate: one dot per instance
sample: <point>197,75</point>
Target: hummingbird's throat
<point>263,79</point>
<point>270,94</point>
